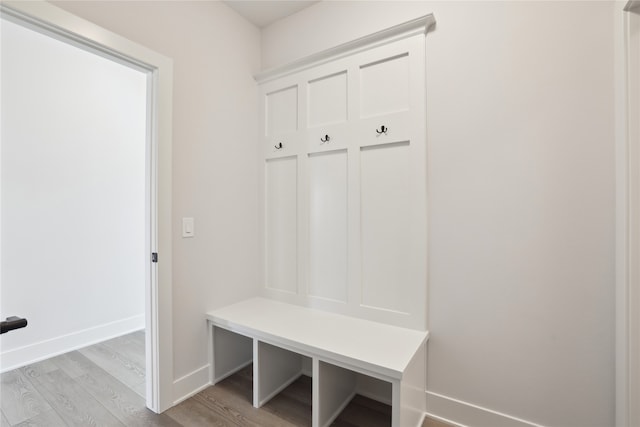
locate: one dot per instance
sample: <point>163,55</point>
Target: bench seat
<point>275,335</point>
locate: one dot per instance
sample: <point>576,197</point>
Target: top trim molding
<point>632,6</point>
<point>407,29</point>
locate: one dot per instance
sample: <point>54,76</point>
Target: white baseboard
<point>32,353</point>
<point>465,414</point>
<point>191,384</point>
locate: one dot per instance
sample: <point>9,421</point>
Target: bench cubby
<point>228,353</point>
<point>333,389</point>
<point>274,369</point>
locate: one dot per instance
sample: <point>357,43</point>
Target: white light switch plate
<point>188,227</point>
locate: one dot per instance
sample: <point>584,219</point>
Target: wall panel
<point>328,225</point>
<point>385,227</point>
<point>281,224</point>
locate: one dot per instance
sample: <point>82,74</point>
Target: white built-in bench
<point>277,338</point>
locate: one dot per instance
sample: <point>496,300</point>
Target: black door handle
<point>12,323</point>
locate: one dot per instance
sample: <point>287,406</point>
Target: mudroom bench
<point>280,339</point>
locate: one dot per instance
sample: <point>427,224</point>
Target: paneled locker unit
<point>344,152</point>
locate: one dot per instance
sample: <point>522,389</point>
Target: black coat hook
<point>382,130</point>
<point>325,139</point>
<point>279,146</point>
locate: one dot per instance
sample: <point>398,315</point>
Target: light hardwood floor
<point>103,385</point>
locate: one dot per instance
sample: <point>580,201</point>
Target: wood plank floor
<point>103,385</point>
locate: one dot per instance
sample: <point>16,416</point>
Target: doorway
<point>93,173</point>
<point>74,189</point>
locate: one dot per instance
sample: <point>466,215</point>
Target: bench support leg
<point>409,401</point>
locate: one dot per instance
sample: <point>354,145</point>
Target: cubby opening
<point>275,368</point>
<point>231,353</point>
<point>294,403</point>
<point>352,398</point>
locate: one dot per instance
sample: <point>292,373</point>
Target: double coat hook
<point>278,146</point>
<point>325,139</point>
<point>383,129</point>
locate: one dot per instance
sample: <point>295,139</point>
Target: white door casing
<point>628,218</point>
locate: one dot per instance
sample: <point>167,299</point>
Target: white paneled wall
<point>345,171</point>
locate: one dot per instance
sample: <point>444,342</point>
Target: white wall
<point>521,199</point>
<point>73,196</point>
<point>215,168</point>
<point>520,134</point>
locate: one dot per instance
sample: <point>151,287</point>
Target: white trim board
<point>631,5</point>
<point>419,25</point>
<point>191,384</point>
<point>463,413</point>
<point>55,22</point>
<point>627,37</point>
<point>621,172</point>
<point>42,350</point>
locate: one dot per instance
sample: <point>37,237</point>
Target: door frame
<point>53,21</point>
<point>627,389</point>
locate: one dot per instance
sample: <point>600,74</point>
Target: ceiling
<point>263,13</point>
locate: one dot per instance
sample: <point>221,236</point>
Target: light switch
<point>187,227</point>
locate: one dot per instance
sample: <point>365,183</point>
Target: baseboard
<point>442,419</point>
<point>464,414</point>
<point>32,353</point>
<point>422,419</point>
<point>191,384</point>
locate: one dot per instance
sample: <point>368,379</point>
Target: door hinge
<point>154,257</point>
